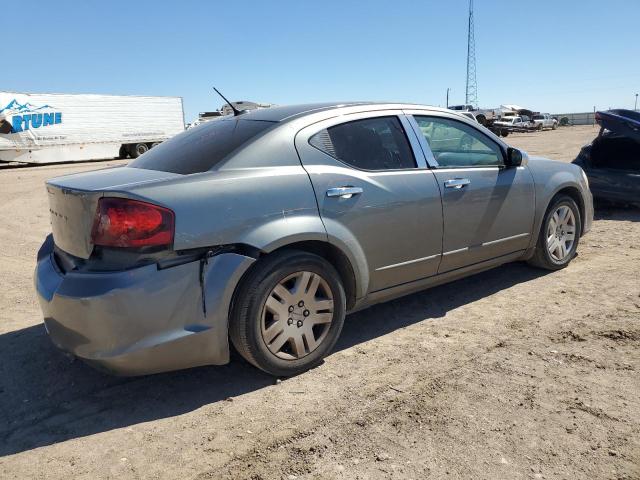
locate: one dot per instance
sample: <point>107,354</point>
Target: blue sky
<point>555,56</point>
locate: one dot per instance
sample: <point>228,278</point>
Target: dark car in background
<point>612,161</point>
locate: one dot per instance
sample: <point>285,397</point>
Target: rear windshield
<point>201,148</point>
<point>538,117</point>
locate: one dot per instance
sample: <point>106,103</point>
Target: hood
<point>620,121</point>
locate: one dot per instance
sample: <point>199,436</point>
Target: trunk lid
<point>73,200</point>
<point>623,122</point>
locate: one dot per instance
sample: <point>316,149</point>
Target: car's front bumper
<point>142,320</point>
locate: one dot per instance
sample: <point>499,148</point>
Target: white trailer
<point>49,128</point>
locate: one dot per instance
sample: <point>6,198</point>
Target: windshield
<point>202,147</point>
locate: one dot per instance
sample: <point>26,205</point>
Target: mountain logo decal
<point>26,116</point>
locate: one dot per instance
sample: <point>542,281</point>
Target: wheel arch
<point>317,246</point>
<point>566,187</point>
<point>574,193</point>
<point>335,256</point>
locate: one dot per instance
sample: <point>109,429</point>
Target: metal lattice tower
<point>471,97</point>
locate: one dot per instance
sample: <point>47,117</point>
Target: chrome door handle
<point>344,192</point>
<point>456,183</point>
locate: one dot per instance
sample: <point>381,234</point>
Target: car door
<point>375,194</point>
<point>616,181</point>
<point>487,208</point>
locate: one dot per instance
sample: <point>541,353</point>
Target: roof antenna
<point>236,112</point>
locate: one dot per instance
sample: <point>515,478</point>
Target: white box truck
<point>49,128</point>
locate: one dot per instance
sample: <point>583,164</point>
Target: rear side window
<point>201,148</point>
<point>376,143</point>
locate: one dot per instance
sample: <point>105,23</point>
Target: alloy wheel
<point>297,315</point>
<point>561,233</point>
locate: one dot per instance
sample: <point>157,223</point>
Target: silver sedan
<point>265,228</point>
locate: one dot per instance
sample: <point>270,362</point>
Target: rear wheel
<point>559,235</point>
<point>288,313</point>
<point>554,126</point>
<point>137,149</point>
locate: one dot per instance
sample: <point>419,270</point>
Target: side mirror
<point>514,157</point>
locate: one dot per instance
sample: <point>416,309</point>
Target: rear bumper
<point>142,320</point>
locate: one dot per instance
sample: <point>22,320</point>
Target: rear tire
<point>554,126</point>
<point>559,235</point>
<point>137,149</point>
<point>308,294</point>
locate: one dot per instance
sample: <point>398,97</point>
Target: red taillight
<point>121,222</point>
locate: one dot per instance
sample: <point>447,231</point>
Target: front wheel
<point>559,235</point>
<point>288,313</point>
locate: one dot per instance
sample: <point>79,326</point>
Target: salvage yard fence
<point>586,118</point>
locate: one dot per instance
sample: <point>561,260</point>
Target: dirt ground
<point>513,373</point>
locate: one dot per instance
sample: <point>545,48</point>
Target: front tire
<point>559,235</point>
<point>288,313</point>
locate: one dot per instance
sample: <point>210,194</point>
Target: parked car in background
<point>612,161</point>
<point>516,122</point>
<point>544,120</point>
<point>264,229</point>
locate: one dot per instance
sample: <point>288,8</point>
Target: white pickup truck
<point>510,121</point>
<point>544,120</point>
<point>484,116</point>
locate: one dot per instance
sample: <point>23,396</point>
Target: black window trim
<point>459,167</point>
<point>406,137</point>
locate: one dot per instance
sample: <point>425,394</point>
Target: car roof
<point>289,112</point>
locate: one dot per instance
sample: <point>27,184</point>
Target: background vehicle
<point>268,226</point>
<point>469,115</point>
<point>513,122</point>
<point>484,116</point>
<point>227,110</point>
<point>48,128</point>
<point>544,120</point>
<point>612,161</point>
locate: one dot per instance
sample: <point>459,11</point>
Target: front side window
<point>377,143</point>
<point>456,144</point>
